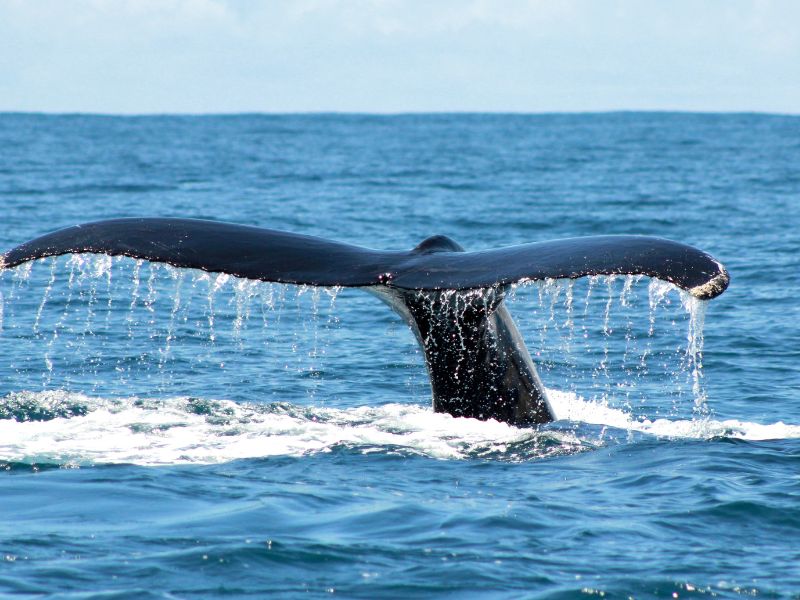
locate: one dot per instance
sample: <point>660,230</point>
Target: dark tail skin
<point>477,361</point>
<point>452,300</point>
<point>478,364</point>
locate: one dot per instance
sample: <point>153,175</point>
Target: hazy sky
<point>143,56</point>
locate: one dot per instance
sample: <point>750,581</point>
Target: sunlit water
<point>175,433</point>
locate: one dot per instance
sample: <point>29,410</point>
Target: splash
<point>571,407</point>
<point>608,342</point>
<point>75,430</point>
<point>71,429</point>
<point>93,322</point>
<point>113,326</point>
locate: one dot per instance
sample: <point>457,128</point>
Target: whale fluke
<point>488,373</point>
<point>282,257</point>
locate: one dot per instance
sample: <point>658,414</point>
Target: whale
<point>452,300</point>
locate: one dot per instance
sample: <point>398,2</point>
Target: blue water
<point>170,434</point>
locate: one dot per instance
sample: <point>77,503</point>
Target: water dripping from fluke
<point>454,301</point>
<point>162,314</point>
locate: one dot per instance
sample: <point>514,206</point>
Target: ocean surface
<point>170,433</point>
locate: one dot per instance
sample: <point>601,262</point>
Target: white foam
<point>171,432</point>
<point>569,406</point>
<point>182,430</point>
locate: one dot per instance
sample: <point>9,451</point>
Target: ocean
<point>169,433</point>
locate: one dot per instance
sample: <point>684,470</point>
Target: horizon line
<point>401,113</point>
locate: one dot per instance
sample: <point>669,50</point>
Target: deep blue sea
<point>171,433</point>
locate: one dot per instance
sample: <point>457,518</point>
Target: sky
<point>388,56</point>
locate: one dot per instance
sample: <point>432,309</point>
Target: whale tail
<point>478,364</point>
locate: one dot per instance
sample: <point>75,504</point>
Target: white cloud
<point>391,55</point>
